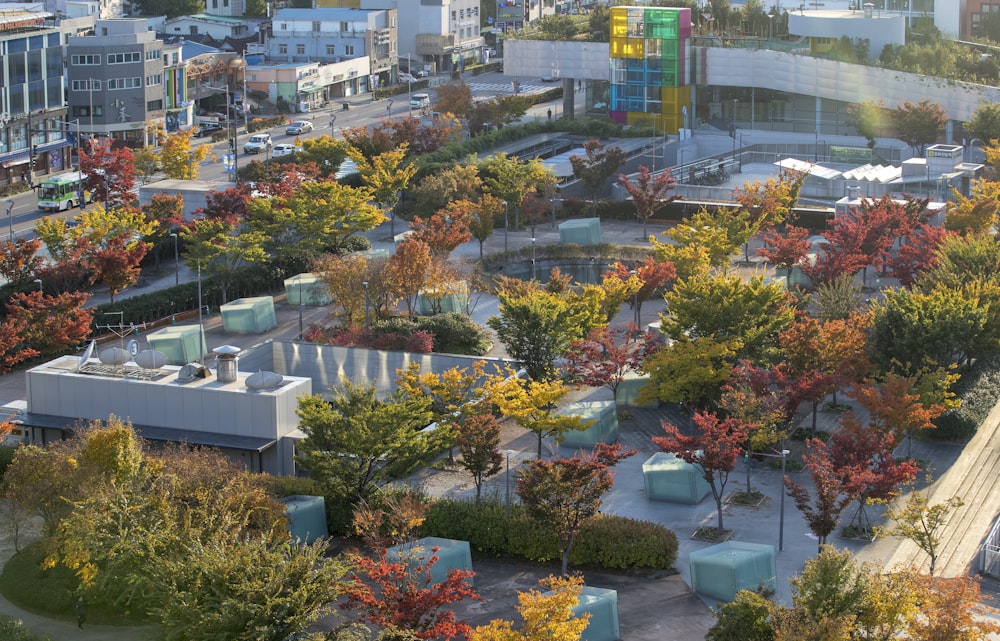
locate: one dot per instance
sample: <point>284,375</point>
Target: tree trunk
<point>539,445</point>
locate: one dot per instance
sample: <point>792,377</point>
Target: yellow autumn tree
<point>532,404</point>
<point>178,159</point>
<point>616,291</point>
<point>548,616</point>
<point>978,212</point>
<point>343,277</point>
<point>386,175</point>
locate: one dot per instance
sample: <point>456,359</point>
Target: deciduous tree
<point>689,372</point>
<point>400,598</point>
<point>787,249</point>
<point>50,324</point>
<point>920,124</point>
<point>511,180</point>
<point>444,231</point>
<point>407,271</point>
<point>868,118</point>
<point>219,250</point>
<point>327,152</point>
<point>919,521</point>
<point>386,175</point>
<point>454,98</point>
<point>110,173</point>
<point>832,494</point>
<point>608,355</point>
<point>649,193</point>
<point>478,440</point>
<point>951,609</point>
<point>436,190</point>
<point>654,275</point>
<point>359,443</point>
<point>20,260</point>
<point>532,405</point>
<point>564,492</point>
<point>714,450</point>
<point>178,159</point>
<point>228,205</point>
<point>595,167</point>
<point>546,616</point>
<point>483,218</point>
<point>976,213</point>
<point>117,263</point>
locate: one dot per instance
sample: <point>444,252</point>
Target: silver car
<point>299,127</point>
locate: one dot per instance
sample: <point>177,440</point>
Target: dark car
<point>207,129</point>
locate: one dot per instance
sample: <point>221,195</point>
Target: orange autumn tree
<point>897,408</point>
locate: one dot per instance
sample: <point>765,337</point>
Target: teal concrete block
<point>603,429</point>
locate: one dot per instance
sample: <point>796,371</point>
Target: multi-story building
<point>336,35</point>
<point>219,27</point>
<point>33,127</point>
<point>115,81</point>
<point>512,15</point>
<point>441,34</point>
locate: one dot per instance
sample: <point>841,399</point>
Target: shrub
<point>978,390</point>
<point>605,541</point>
<point>456,333</point>
<point>12,629</point>
<point>7,453</point>
<point>355,243</point>
<point>421,342</point>
<point>282,486</point>
<point>624,544</point>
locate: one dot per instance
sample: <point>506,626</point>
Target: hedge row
<point>978,390</point>
<point>395,90</point>
<point>605,541</point>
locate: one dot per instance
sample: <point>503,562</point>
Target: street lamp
<point>553,201</point>
<point>301,303</point>
<point>10,218</point>
<point>781,513</point>
<point>533,272</point>
<point>177,261</point>
<point>39,281</point>
<point>635,299</point>
<point>770,28</point>
<point>506,225</point>
<point>201,324</point>
<point>367,318</point>
<point>510,453</point>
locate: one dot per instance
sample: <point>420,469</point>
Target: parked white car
<point>284,150</point>
<point>420,100</point>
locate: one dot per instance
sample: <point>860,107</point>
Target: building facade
<point>33,116</point>
<point>439,35</point>
<point>115,80</point>
<point>336,35</point>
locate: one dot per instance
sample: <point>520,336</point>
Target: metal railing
<point>989,553</point>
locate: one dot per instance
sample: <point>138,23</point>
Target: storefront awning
<point>12,158</point>
<point>52,146</point>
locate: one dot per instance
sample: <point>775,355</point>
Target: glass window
<point>17,71</point>
<point>331,50</point>
<point>348,50</point>
<point>154,105</point>
<point>300,49</point>
<point>282,48</point>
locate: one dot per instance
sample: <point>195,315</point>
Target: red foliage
<point>109,168</point>
<point>787,250</point>
<point>715,449</point>
<point>20,260</point>
<point>832,494</point>
<point>75,270</point>
<point>420,341</point>
<point>608,354</point>
<point>443,232</point>
<point>228,205</point>
<point>13,349</point>
<point>916,254</point>
<point>655,275</point>
<point>649,192</point>
<point>117,264</point>
<point>400,596</point>
<point>50,324</point>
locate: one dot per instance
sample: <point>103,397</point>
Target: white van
<point>420,100</point>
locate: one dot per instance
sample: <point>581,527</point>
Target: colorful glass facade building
<point>649,84</point>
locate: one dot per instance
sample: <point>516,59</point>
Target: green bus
<point>63,192</point>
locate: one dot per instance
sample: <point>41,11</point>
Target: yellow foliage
<point>547,616</point>
<point>978,212</point>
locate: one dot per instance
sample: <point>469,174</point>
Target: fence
<point>989,553</point>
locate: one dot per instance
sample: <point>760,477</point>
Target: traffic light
<point>232,145</point>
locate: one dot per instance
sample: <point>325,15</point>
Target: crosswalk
<point>505,88</point>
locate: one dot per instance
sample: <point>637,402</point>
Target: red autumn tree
<point>714,449</point>
<point>807,381</point>
<point>401,597</point>
<point>608,354</point>
<point>895,408</point>
<point>116,263</point>
<point>565,492</point>
<point>50,324</point>
<point>75,269</point>
<point>864,461</point>
<point>19,261</point>
<point>228,205</point>
<point>832,495</point>
<point>917,253</point>
<point>787,249</point>
<point>13,346</point>
<point>655,275</point>
<point>649,193</point>
<point>478,441</point>
<point>444,231</point>
<point>110,173</point>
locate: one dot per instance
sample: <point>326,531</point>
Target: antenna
<point>120,330</point>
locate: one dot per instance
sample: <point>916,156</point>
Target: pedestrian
<point>80,610</point>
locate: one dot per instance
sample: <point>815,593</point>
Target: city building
<point>218,27</point>
<point>824,28</point>
<point>33,115</point>
<point>439,35</point>
<point>307,86</point>
<point>115,80</point>
<point>336,35</point>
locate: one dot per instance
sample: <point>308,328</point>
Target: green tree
<point>147,163</point>
<point>985,122</point>
<point>255,9</point>
<point>454,98</point>
<point>690,372</point>
<point>386,176</point>
<point>478,440</point>
<point>745,618</point>
<point>317,217</point>
<point>327,152</point>
<point>595,167</point>
<point>919,125</point>
<point>752,312</point>
<point>564,492</point>
<point>919,521</point>
<point>434,191</point>
<point>170,8</point>
<point>216,248</point>
<point>358,443</point>
<point>557,27</point>
<point>537,328</point>
<point>511,180</point>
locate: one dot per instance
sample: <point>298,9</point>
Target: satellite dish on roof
<point>87,354</point>
<point>264,380</point>
<point>151,359</point>
<point>115,356</point>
